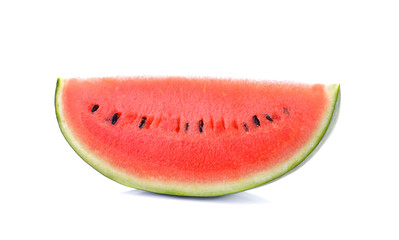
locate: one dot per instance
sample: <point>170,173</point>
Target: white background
<point>348,190</point>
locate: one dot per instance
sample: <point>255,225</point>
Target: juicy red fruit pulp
<point>192,130</point>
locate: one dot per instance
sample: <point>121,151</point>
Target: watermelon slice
<point>193,136</point>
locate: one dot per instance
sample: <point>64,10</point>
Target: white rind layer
<point>194,189</point>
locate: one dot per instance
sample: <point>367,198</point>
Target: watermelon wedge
<point>193,136</point>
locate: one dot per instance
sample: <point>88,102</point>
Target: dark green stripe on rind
<point>190,189</point>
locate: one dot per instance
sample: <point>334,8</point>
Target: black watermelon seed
<point>186,127</point>
<point>286,111</point>
<point>256,120</point>
<point>245,127</point>
<point>268,117</point>
<point>201,125</point>
<point>114,118</point>
<point>142,122</point>
<point>94,108</point>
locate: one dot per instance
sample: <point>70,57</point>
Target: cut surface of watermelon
<point>193,136</point>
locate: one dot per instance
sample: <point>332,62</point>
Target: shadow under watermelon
<point>235,198</point>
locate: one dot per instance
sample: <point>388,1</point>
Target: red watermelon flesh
<point>193,136</point>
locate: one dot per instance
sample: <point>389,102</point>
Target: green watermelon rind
<point>198,189</point>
